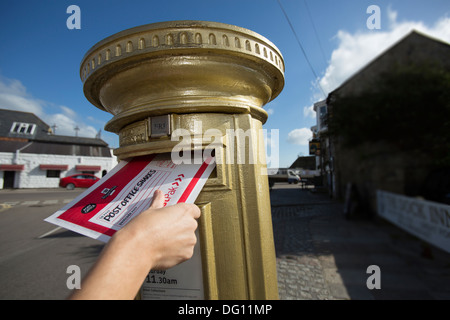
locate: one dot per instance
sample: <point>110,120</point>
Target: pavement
<point>323,256</point>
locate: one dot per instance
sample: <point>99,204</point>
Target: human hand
<point>158,238</point>
<point>163,236</point>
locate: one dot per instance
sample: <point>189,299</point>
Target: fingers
<point>158,200</point>
<point>195,211</point>
<point>191,209</point>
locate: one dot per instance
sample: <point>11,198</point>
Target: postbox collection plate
<point>159,126</point>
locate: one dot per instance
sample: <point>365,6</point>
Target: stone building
<point>31,156</point>
<point>386,163</point>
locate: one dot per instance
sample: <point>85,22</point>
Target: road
<point>320,255</point>
<point>34,254</point>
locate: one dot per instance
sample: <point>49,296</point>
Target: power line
<point>315,32</point>
<point>301,47</point>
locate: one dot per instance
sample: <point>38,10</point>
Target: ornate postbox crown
<point>181,67</point>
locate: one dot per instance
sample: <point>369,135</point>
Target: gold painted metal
<point>219,76</point>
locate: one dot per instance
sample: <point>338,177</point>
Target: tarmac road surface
<point>34,254</point>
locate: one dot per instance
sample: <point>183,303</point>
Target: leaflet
<point>127,190</point>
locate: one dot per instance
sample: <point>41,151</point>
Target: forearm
<point>159,237</point>
<point>118,273</point>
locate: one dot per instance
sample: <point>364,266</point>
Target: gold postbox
<point>200,77</point>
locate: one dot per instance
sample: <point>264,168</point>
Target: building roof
<point>306,163</point>
<point>27,132</point>
<point>8,117</point>
<point>414,48</point>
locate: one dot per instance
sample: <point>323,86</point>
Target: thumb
<point>158,200</point>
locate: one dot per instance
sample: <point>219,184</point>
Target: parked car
<point>293,178</point>
<point>282,175</point>
<point>82,180</point>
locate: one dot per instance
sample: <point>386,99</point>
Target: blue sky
<point>40,56</point>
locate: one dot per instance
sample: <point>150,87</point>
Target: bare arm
<point>158,238</point>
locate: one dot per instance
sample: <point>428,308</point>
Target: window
<point>323,120</point>
<point>323,111</point>
<point>53,173</point>
<point>23,128</point>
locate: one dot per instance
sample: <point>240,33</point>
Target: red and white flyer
<point>127,190</point>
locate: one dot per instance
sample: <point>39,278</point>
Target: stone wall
<point>373,167</point>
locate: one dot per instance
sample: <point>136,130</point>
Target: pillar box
<point>209,80</point>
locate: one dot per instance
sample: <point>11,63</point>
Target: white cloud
<point>65,125</point>
<point>14,96</point>
<point>309,112</point>
<point>356,50</point>
<point>68,112</point>
<point>392,16</point>
<point>300,136</point>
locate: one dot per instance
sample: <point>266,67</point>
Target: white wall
<point>33,177</point>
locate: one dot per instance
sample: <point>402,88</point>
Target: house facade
<point>32,156</point>
<point>321,147</point>
<point>389,163</point>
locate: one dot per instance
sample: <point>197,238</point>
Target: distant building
<point>305,167</point>
<point>304,163</point>
<point>321,147</point>
<point>31,156</point>
<point>372,166</point>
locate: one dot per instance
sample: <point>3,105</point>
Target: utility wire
<point>315,32</point>
<point>318,38</point>
<point>301,47</point>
